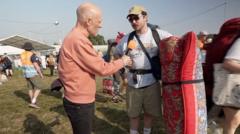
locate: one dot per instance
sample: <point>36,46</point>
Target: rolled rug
<point>184,102</point>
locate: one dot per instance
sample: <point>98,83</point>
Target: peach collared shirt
<point>78,66</point>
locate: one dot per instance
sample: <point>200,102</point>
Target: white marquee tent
<point>10,50</point>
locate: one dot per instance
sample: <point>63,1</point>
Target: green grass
<point>17,118</point>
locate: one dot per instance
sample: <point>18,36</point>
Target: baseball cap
<point>136,10</point>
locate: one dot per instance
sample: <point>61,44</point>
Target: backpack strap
<point>156,36</point>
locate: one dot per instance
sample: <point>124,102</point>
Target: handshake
<point>127,60</point>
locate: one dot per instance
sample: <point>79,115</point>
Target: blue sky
<point>35,19</point>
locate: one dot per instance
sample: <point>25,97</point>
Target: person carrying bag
<point>227,76</point>
<point>226,90</point>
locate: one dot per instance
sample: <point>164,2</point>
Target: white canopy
<point>10,50</point>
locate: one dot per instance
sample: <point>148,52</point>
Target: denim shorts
<point>80,116</point>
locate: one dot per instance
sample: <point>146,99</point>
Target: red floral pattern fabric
<point>184,105</point>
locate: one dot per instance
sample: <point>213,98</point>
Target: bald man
<point>79,63</point>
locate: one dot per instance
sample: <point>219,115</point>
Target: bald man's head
<point>89,18</point>
<point>87,11</point>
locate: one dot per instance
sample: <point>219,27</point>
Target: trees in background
<point>97,40</point>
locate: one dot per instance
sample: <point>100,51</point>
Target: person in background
<point>111,84</point>
<point>143,91</point>
<point>232,64</point>
<point>32,73</point>
<point>121,73</point>
<point>202,37</point>
<point>1,68</point>
<point>8,63</point>
<point>202,41</point>
<point>17,62</point>
<point>51,61</point>
<point>78,66</point>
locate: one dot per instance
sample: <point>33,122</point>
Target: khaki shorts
<point>144,99</point>
<point>35,83</point>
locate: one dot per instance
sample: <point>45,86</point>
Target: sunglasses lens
<point>132,18</point>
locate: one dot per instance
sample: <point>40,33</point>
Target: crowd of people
<point>8,62</point>
<point>130,58</point>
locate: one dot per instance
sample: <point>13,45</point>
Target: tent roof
<point>18,41</point>
<point>10,50</point>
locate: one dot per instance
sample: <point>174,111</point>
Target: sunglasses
<point>132,18</point>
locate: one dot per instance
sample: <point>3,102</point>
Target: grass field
<point>17,118</point>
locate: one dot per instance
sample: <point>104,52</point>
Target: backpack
<point>155,61</point>
<point>216,51</point>
<point>7,62</point>
<point>51,61</point>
